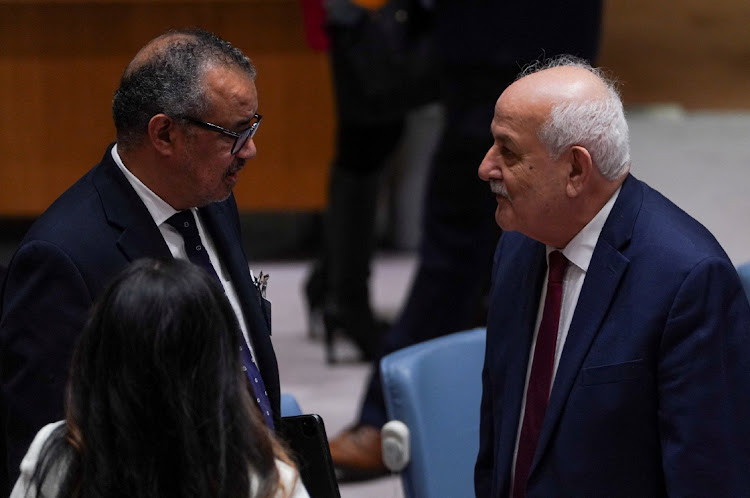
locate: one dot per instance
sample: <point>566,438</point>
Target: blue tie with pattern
<point>184,222</point>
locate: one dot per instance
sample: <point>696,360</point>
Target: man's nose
<point>486,166</point>
<point>248,150</point>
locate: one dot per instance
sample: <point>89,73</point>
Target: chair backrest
<point>744,272</point>
<point>435,388</point>
<point>289,405</point>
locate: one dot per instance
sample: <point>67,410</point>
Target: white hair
<point>599,125</point>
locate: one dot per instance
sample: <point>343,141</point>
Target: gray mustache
<point>498,188</point>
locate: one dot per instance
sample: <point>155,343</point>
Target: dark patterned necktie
<point>184,222</point>
<point>540,379</point>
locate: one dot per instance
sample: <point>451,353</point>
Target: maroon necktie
<point>540,380</point>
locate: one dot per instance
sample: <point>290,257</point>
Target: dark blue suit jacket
<point>88,235</point>
<point>652,394</point>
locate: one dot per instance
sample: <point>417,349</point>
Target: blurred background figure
<point>382,63</point>
<point>157,402</point>
<point>481,46</point>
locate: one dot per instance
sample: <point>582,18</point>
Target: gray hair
<point>167,77</point>
<point>597,125</point>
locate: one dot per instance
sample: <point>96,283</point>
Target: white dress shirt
<point>161,211</point>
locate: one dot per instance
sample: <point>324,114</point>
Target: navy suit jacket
<point>88,235</point>
<point>652,394</point>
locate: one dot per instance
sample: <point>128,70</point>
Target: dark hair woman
<point>157,403</point>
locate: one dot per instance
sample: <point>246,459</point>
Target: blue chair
<point>289,405</point>
<point>435,388</point>
<point>744,272</point>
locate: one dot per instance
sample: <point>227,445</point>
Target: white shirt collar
<point>159,209</point>
<point>580,250</point>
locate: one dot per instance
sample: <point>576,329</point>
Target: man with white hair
<point>618,339</point>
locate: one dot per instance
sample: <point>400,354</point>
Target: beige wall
<point>60,61</point>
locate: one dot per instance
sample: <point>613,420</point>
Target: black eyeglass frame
<point>240,138</point>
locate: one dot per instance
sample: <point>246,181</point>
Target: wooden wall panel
<point>60,61</point>
<point>693,53</point>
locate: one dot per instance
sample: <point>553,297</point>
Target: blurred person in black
<point>382,63</point>
<point>481,46</point>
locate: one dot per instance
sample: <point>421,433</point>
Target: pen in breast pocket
<point>261,281</point>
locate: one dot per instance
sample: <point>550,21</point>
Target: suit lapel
<point>230,250</point>
<point>605,271</point>
<point>124,210</point>
<point>518,324</point>
<point>140,237</point>
<point>217,218</point>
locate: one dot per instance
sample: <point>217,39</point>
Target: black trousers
<point>449,291</point>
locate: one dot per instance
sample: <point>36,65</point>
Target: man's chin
<point>217,198</point>
<point>228,194</point>
<point>231,178</point>
<point>501,218</point>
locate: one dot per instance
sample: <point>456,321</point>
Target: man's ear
<point>161,129</point>
<point>581,167</point>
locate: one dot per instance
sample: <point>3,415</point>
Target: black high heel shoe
<point>363,329</point>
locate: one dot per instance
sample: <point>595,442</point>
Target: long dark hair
<point>157,404</point>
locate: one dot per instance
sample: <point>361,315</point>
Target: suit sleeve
<point>704,385</point>
<point>484,470</point>
<point>45,302</point>
<point>485,466</point>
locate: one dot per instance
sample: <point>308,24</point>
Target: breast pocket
<point>266,305</point>
<point>617,372</point>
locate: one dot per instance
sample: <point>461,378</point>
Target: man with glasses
<point>185,112</point>
<point>239,138</point>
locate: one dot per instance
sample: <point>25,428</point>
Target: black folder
<point>305,436</point>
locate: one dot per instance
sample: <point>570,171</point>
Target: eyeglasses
<point>239,138</point>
